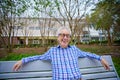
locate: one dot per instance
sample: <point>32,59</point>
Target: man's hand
<point>17,65</point>
<point>105,64</point>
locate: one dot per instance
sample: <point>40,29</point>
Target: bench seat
<point>91,69</point>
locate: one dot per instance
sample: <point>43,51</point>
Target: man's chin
<point>64,45</point>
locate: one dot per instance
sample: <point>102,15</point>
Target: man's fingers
<point>107,67</point>
<point>105,64</point>
<point>14,67</point>
<point>17,66</point>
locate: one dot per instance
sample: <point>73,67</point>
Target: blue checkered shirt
<point>64,61</point>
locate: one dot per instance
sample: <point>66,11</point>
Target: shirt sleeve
<point>81,53</point>
<point>45,56</point>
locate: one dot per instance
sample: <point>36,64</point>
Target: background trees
<point>9,10</point>
<point>106,17</point>
<point>71,12</point>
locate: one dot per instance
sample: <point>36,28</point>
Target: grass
<point>98,49</point>
<point>116,61</point>
<point>14,56</point>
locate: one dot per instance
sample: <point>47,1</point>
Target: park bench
<point>91,69</point>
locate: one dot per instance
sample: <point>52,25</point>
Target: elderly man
<point>64,58</point>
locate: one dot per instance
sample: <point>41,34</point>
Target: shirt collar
<point>60,46</point>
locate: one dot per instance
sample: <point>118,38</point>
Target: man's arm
<point>45,56</point>
<point>19,63</point>
<point>95,56</point>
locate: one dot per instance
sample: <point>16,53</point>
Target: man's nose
<point>65,37</point>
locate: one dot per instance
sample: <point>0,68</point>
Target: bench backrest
<point>41,70</point>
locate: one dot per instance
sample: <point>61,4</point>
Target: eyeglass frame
<point>63,35</point>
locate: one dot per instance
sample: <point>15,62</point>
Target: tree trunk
<point>9,44</point>
<point>109,38</point>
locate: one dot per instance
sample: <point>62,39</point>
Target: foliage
<point>117,41</point>
<point>106,17</point>
<point>68,12</point>
<point>9,10</point>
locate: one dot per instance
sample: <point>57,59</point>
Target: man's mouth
<point>64,41</point>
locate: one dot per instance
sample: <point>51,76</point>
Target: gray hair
<point>63,28</point>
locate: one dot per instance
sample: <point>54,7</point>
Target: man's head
<point>63,36</point>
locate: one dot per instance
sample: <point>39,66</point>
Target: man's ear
<point>57,40</point>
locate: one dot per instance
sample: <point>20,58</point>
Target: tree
<point>9,9</point>
<point>65,12</point>
<point>46,23</point>
<point>116,16</point>
<point>26,23</point>
<point>73,12</point>
<point>104,17</point>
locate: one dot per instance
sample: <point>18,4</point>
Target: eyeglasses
<point>63,35</point>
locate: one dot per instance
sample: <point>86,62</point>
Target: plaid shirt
<point>64,61</point>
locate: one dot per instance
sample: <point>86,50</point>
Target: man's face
<point>64,38</point>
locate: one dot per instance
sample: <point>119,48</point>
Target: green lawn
<point>116,61</point>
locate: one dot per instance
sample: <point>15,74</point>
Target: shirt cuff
<point>23,61</point>
<point>100,58</point>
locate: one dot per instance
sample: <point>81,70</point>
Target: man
<point>64,58</point>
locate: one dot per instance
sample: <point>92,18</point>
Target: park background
<point>28,27</point>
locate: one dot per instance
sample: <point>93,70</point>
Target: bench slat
<point>109,79</point>
<point>49,78</point>
<point>95,70</point>
<point>25,75</point>
<point>99,75</point>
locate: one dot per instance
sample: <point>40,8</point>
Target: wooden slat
<point>99,75</point>
<point>109,79</point>
<point>95,70</point>
<point>25,75</point>
<point>48,78</point>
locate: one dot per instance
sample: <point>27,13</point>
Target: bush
<point>117,41</point>
<point>19,46</point>
<point>34,45</point>
<point>15,56</point>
